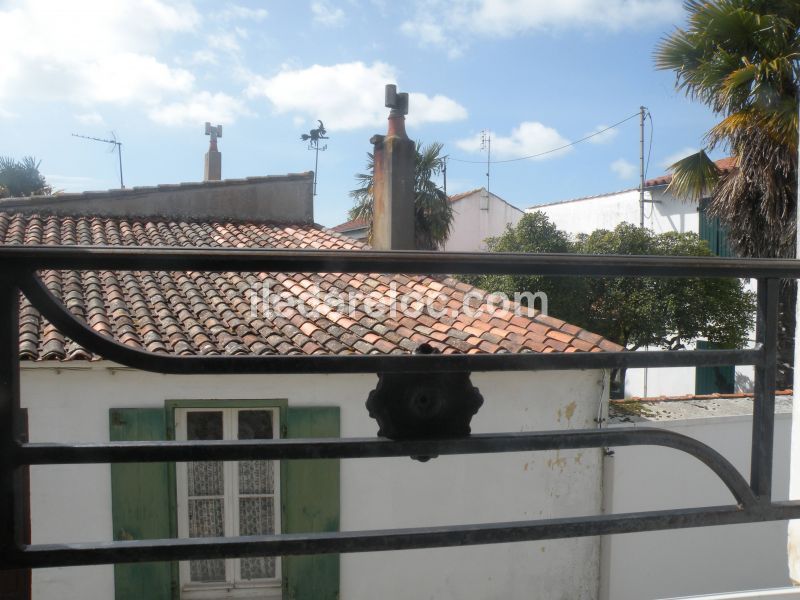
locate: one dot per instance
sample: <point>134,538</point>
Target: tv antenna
<point>486,144</point>
<point>115,145</point>
<point>313,137</point>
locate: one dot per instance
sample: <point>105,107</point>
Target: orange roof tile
<point>198,313</point>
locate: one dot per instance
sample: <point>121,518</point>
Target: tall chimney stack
<point>213,167</point>
<point>393,180</point>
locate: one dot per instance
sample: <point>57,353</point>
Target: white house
<point>663,212</point>
<point>477,215</point>
<point>72,395</point>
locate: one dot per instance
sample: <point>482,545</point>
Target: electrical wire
<point>583,139</point>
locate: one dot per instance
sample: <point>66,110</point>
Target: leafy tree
<point>536,233</point>
<point>740,58</point>
<point>658,311</point>
<point>21,178</point>
<point>631,311</point>
<point>433,215</point>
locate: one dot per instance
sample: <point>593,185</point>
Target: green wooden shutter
<point>713,232</point>
<point>714,380</point>
<point>140,504</point>
<point>311,504</point>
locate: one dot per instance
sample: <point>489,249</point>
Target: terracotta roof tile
<point>193,313</point>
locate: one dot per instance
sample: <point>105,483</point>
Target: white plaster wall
<point>684,562</point>
<point>472,224</point>
<point>664,213</point>
<point>72,503</point>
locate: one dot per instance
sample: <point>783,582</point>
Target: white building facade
<point>74,503</point>
<point>477,216</point>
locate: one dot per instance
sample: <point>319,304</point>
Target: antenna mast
<point>117,146</point>
<point>486,144</point>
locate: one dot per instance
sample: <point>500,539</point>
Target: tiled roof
<point>723,164</point>
<point>350,225</point>
<point>194,313</point>
<point>462,195</point>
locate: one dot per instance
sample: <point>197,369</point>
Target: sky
<point>535,74</point>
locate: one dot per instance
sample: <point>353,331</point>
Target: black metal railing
<point>752,500</point>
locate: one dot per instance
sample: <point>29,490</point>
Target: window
<point>216,499</point>
<point>305,498</point>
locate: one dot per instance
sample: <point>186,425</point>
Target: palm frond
<point>693,177</point>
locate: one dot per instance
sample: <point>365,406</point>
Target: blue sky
<point>536,73</point>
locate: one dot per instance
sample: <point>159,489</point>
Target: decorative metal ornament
<point>434,405</point>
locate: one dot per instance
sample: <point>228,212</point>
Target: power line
<point>583,139</point>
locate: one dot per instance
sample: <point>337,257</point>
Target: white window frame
<point>234,587</point>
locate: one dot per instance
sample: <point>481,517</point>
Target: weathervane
<point>313,137</point>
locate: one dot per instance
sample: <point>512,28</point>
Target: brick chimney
<point>393,180</point>
<point>213,166</point>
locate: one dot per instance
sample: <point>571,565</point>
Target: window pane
<point>256,477</point>
<point>257,517</point>
<point>255,424</point>
<point>204,425</point>
<point>206,520</point>
<point>205,479</point>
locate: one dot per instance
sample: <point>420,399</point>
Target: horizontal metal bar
<point>368,261</point>
<point>177,451</point>
<point>59,555</point>
<point>110,349</point>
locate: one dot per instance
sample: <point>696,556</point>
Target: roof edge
<point>273,198</point>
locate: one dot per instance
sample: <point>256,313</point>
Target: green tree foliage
<point>433,215</point>
<point>632,311</point>
<point>21,178</point>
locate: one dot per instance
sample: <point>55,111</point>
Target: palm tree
<point>433,214</point>
<point>742,59</point>
<point>21,178</point>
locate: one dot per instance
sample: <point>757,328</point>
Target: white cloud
<point>504,18</point>
<point>199,108</point>
<point>601,138</point>
<point>325,14</point>
<point>623,169</point>
<point>347,96</point>
<point>676,156</point>
<point>91,118</point>
<point>234,12</point>
<point>433,34</point>
<point>94,52</point>
<point>528,138</point>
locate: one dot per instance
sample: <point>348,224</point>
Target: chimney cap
<point>397,102</point>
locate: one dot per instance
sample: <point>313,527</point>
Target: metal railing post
<point>12,512</point>
<point>764,389</point>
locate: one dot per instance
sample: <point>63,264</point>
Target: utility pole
<point>642,112</point>
<point>486,144</point>
<point>444,173</point>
